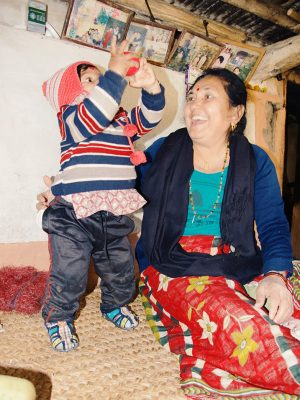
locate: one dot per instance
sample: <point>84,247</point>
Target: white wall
<point>29,133</point>
<point>14,13</point>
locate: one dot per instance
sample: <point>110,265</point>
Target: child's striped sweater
<point>95,153</point>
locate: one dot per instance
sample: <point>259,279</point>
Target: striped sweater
<point>95,153</point>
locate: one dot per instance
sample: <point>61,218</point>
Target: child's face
<point>89,78</point>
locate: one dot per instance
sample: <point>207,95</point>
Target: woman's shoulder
<point>261,156</point>
<point>264,163</point>
<point>170,139</point>
<point>259,151</point>
<point>150,153</point>
<point>155,146</point>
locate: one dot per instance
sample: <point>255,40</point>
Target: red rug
<point>22,289</point>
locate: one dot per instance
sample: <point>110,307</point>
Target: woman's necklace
<point>200,217</point>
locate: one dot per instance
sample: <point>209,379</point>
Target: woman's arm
<point>272,225</point>
<point>274,236</point>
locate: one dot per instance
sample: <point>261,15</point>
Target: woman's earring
<point>233,126</point>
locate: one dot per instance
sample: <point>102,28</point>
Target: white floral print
<point>209,327</point>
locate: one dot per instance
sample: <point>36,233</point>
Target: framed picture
<point>93,23</point>
<point>193,52</point>
<point>240,58</point>
<point>150,40</point>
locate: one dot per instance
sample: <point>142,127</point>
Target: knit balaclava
<point>64,87</point>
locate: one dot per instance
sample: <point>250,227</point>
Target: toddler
<point>95,189</point>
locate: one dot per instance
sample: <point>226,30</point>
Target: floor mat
<point>110,364</point>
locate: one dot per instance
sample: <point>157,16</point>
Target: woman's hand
<point>281,300</point>
<point>145,78</point>
<point>45,198</point>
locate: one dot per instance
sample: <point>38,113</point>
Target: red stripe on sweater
<point>91,124</point>
<point>95,150</point>
<point>104,144</point>
<point>99,150</point>
<point>65,157</point>
<point>137,117</point>
<point>141,128</point>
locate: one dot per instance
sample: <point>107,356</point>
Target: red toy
<point>133,70</point>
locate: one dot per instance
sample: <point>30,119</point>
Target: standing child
<point>94,190</point>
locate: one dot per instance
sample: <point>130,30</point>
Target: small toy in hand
<point>133,70</point>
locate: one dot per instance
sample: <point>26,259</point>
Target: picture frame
<point>93,23</point>
<point>193,52</point>
<point>239,58</point>
<point>150,40</point>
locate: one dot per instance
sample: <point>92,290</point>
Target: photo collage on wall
<point>192,54</point>
<point>93,23</point>
<point>150,40</point>
<point>239,58</point>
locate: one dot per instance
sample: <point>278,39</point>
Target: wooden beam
<point>293,76</point>
<point>269,12</point>
<point>279,58</point>
<point>181,19</point>
<point>293,14</point>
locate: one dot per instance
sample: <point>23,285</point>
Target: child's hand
<point>145,78</point>
<point>120,62</point>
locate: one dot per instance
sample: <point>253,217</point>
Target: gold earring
<point>233,126</point>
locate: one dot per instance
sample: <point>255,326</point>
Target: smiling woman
<point>209,116</point>
<point>206,187</point>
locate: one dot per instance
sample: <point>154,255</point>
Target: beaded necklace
<point>191,199</point>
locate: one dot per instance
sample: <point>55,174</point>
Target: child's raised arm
<point>119,61</point>
<point>145,78</point>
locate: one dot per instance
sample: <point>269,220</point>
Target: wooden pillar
<point>269,115</point>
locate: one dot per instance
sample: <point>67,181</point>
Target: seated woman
<point>205,189</point>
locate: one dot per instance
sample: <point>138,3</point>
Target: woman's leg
<point>226,346</point>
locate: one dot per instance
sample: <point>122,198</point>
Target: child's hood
<point>64,87</point>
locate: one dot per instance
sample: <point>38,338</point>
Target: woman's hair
<point>235,89</point>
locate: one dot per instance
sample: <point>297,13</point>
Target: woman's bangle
<point>273,273</point>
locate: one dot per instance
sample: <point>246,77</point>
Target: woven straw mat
<point>109,364</point>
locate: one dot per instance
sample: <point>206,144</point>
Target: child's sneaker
<point>122,318</point>
<point>62,335</point>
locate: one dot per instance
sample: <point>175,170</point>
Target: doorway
<point>291,174</point>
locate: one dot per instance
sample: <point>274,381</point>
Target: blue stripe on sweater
<point>77,187</point>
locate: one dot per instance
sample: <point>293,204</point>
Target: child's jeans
<point>72,241</point>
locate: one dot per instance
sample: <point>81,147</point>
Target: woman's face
<point>208,113</point>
